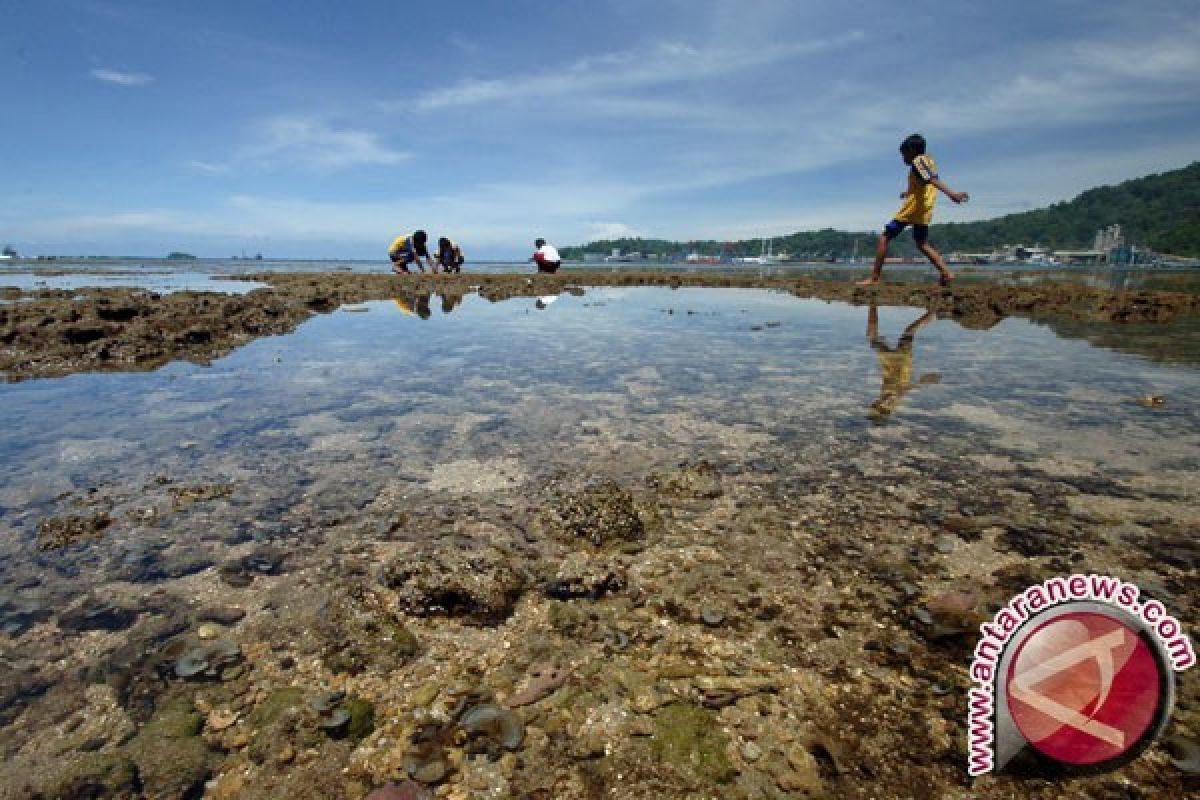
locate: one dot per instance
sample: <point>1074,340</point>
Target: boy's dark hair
<point>914,144</point>
<point>420,237</point>
<point>443,243</point>
<point>539,243</point>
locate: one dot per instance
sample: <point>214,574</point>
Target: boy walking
<point>923,186</point>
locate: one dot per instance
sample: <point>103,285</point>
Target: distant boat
<point>767,256</point>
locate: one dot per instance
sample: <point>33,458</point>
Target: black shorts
<point>893,229</point>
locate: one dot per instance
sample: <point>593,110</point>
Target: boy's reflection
<point>417,303</point>
<point>895,364</point>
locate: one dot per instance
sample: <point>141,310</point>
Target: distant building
<point>1109,238</point>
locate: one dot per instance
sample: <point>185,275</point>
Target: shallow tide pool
<point>607,381</point>
<point>448,405</point>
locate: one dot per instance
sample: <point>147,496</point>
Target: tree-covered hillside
<point>1161,212</point>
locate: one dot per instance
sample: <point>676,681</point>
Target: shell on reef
<point>545,680</point>
<point>326,701</point>
<point>334,719</point>
<point>207,659</point>
<point>495,723</point>
<point>616,639</point>
<point>224,650</point>
<point>426,763</point>
<point>192,663</point>
<point>220,719</point>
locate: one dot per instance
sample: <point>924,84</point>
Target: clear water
<point>613,382</point>
<point>458,409</point>
<point>161,281</point>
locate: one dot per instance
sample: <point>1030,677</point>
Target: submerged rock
<point>186,495</point>
<point>172,759</point>
<point>241,572</point>
<point>59,532</point>
<point>690,481</point>
<point>94,614</point>
<point>17,614</point>
<point>603,514</point>
<point>580,575</point>
<point>479,585</point>
<point>358,635</point>
<point>88,775</point>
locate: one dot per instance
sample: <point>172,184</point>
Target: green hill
<point>1160,211</point>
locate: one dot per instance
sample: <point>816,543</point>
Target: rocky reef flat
<point>755,629</point>
<point>747,615</point>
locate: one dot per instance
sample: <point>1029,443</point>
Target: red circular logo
<point>1084,688</point>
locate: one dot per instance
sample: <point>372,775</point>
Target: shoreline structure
<point>53,333</point>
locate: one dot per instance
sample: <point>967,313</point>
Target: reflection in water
<point>450,301</point>
<point>895,364</point>
<point>417,303</point>
<point>544,301</point>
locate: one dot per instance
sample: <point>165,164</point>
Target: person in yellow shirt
<point>895,364</point>
<point>917,210</point>
<point>406,250</point>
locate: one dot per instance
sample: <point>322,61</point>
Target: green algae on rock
<point>172,759</point>
<point>691,739</point>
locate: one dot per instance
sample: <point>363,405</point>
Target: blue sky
<point>321,130</point>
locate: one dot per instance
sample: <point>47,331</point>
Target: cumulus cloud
<point>121,78</point>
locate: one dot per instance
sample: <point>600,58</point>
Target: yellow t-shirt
<point>895,367</point>
<point>922,194</point>
<point>399,244</point>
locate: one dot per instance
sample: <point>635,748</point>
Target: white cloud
<point>310,143</point>
<point>665,62</point>
<point>121,78</point>
<point>206,168</point>
<point>610,230</point>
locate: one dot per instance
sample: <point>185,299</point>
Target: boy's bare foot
<point>867,282</point>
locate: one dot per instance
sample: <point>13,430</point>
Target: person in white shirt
<point>546,257</point>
